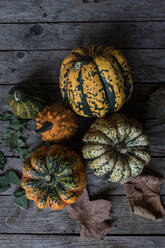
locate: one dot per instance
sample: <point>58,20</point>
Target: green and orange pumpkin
<point>116,148</point>
<point>53,177</point>
<point>95,80</point>
<point>26,100</point>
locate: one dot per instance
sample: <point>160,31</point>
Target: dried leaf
<point>93,216</point>
<point>143,196</point>
<point>2,160</point>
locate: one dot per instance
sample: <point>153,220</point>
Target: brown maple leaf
<point>92,216</point>
<point>143,196</point>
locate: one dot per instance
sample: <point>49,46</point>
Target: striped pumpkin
<point>95,80</point>
<point>26,101</point>
<point>116,148</point>
<point>53,177</point>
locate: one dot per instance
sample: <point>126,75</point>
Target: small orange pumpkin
<point>56,123</point>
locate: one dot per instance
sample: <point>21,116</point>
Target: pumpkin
<point>26,100</point>
<point>53,177</point>
<point>95,80</point>
<point>116,148</point>
<point>56,123</point>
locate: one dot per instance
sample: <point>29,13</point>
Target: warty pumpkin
<point>26,100</point>
<point>95,80</point>
<point>56,123</point>
<point>116,148</point>
<point>53,177</point>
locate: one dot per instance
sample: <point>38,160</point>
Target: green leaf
<point>19,192</point>
<point>10,133</point>
<point>2,160</point>
<point>20,198</point>
<point>20,142</point>
<point>8,178</point>
<point>4,188</point>
<point>6,116</point>
<point>15,124</point>
<point>44,15</point>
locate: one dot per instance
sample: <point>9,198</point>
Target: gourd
<point>53,177</point>
<point>56,123</point>
<point>95,80</point>
<point>26,100</point>
<point>116,148</point>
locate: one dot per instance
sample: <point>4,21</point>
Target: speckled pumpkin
<point>56,123</point>
<point>26,100</point>
<point>53,177</point>
<point>95,80</point>
<point>116,148</point>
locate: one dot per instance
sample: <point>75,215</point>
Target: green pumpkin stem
<point>47,125</point>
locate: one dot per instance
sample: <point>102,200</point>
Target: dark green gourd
<point>26,100</point>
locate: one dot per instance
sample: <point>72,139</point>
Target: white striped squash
<point>116,148</point>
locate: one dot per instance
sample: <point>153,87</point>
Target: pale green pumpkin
<point>116,148</point>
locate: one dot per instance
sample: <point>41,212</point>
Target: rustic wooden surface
<point>35,35</point>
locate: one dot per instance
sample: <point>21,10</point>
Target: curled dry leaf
<point>93,216</point>
<point>143,196</point>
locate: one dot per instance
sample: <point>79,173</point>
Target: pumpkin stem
<point>17,95</point>
<point>47,125</point>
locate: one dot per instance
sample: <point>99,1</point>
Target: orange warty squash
<point>53,177</point>
<point>95,80</point>
<point>56,123</point>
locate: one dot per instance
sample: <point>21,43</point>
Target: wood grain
<point>84,10</point>
<point>50,36</point>
<point>35,37</point>
<point>16,220</point>
<point>51,241</point>
<point>44,66</point>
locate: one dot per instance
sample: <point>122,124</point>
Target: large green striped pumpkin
<point>95,80</point>
<point>26,100</point>
<point>53,177</point>
<point>116,148</point>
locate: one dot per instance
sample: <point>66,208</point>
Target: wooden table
<point>34,38</point>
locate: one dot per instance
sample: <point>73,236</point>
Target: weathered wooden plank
<point>49,36</point>
<point>85,10</point>
<point>33,220</point>
<point>147,65</point>
<point>44,241</point>
<point>96,186</point>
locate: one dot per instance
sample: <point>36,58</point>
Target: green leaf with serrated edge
<point>15,124</point>
<point>21,199</point>
<point>44,15</point>
<point>2,160</point>
<point>10,177</point>
<point>12,135</point>
<point>20,142</point>
<point>19,192</point>
<point>4,188</point>
<point>6,116</point>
